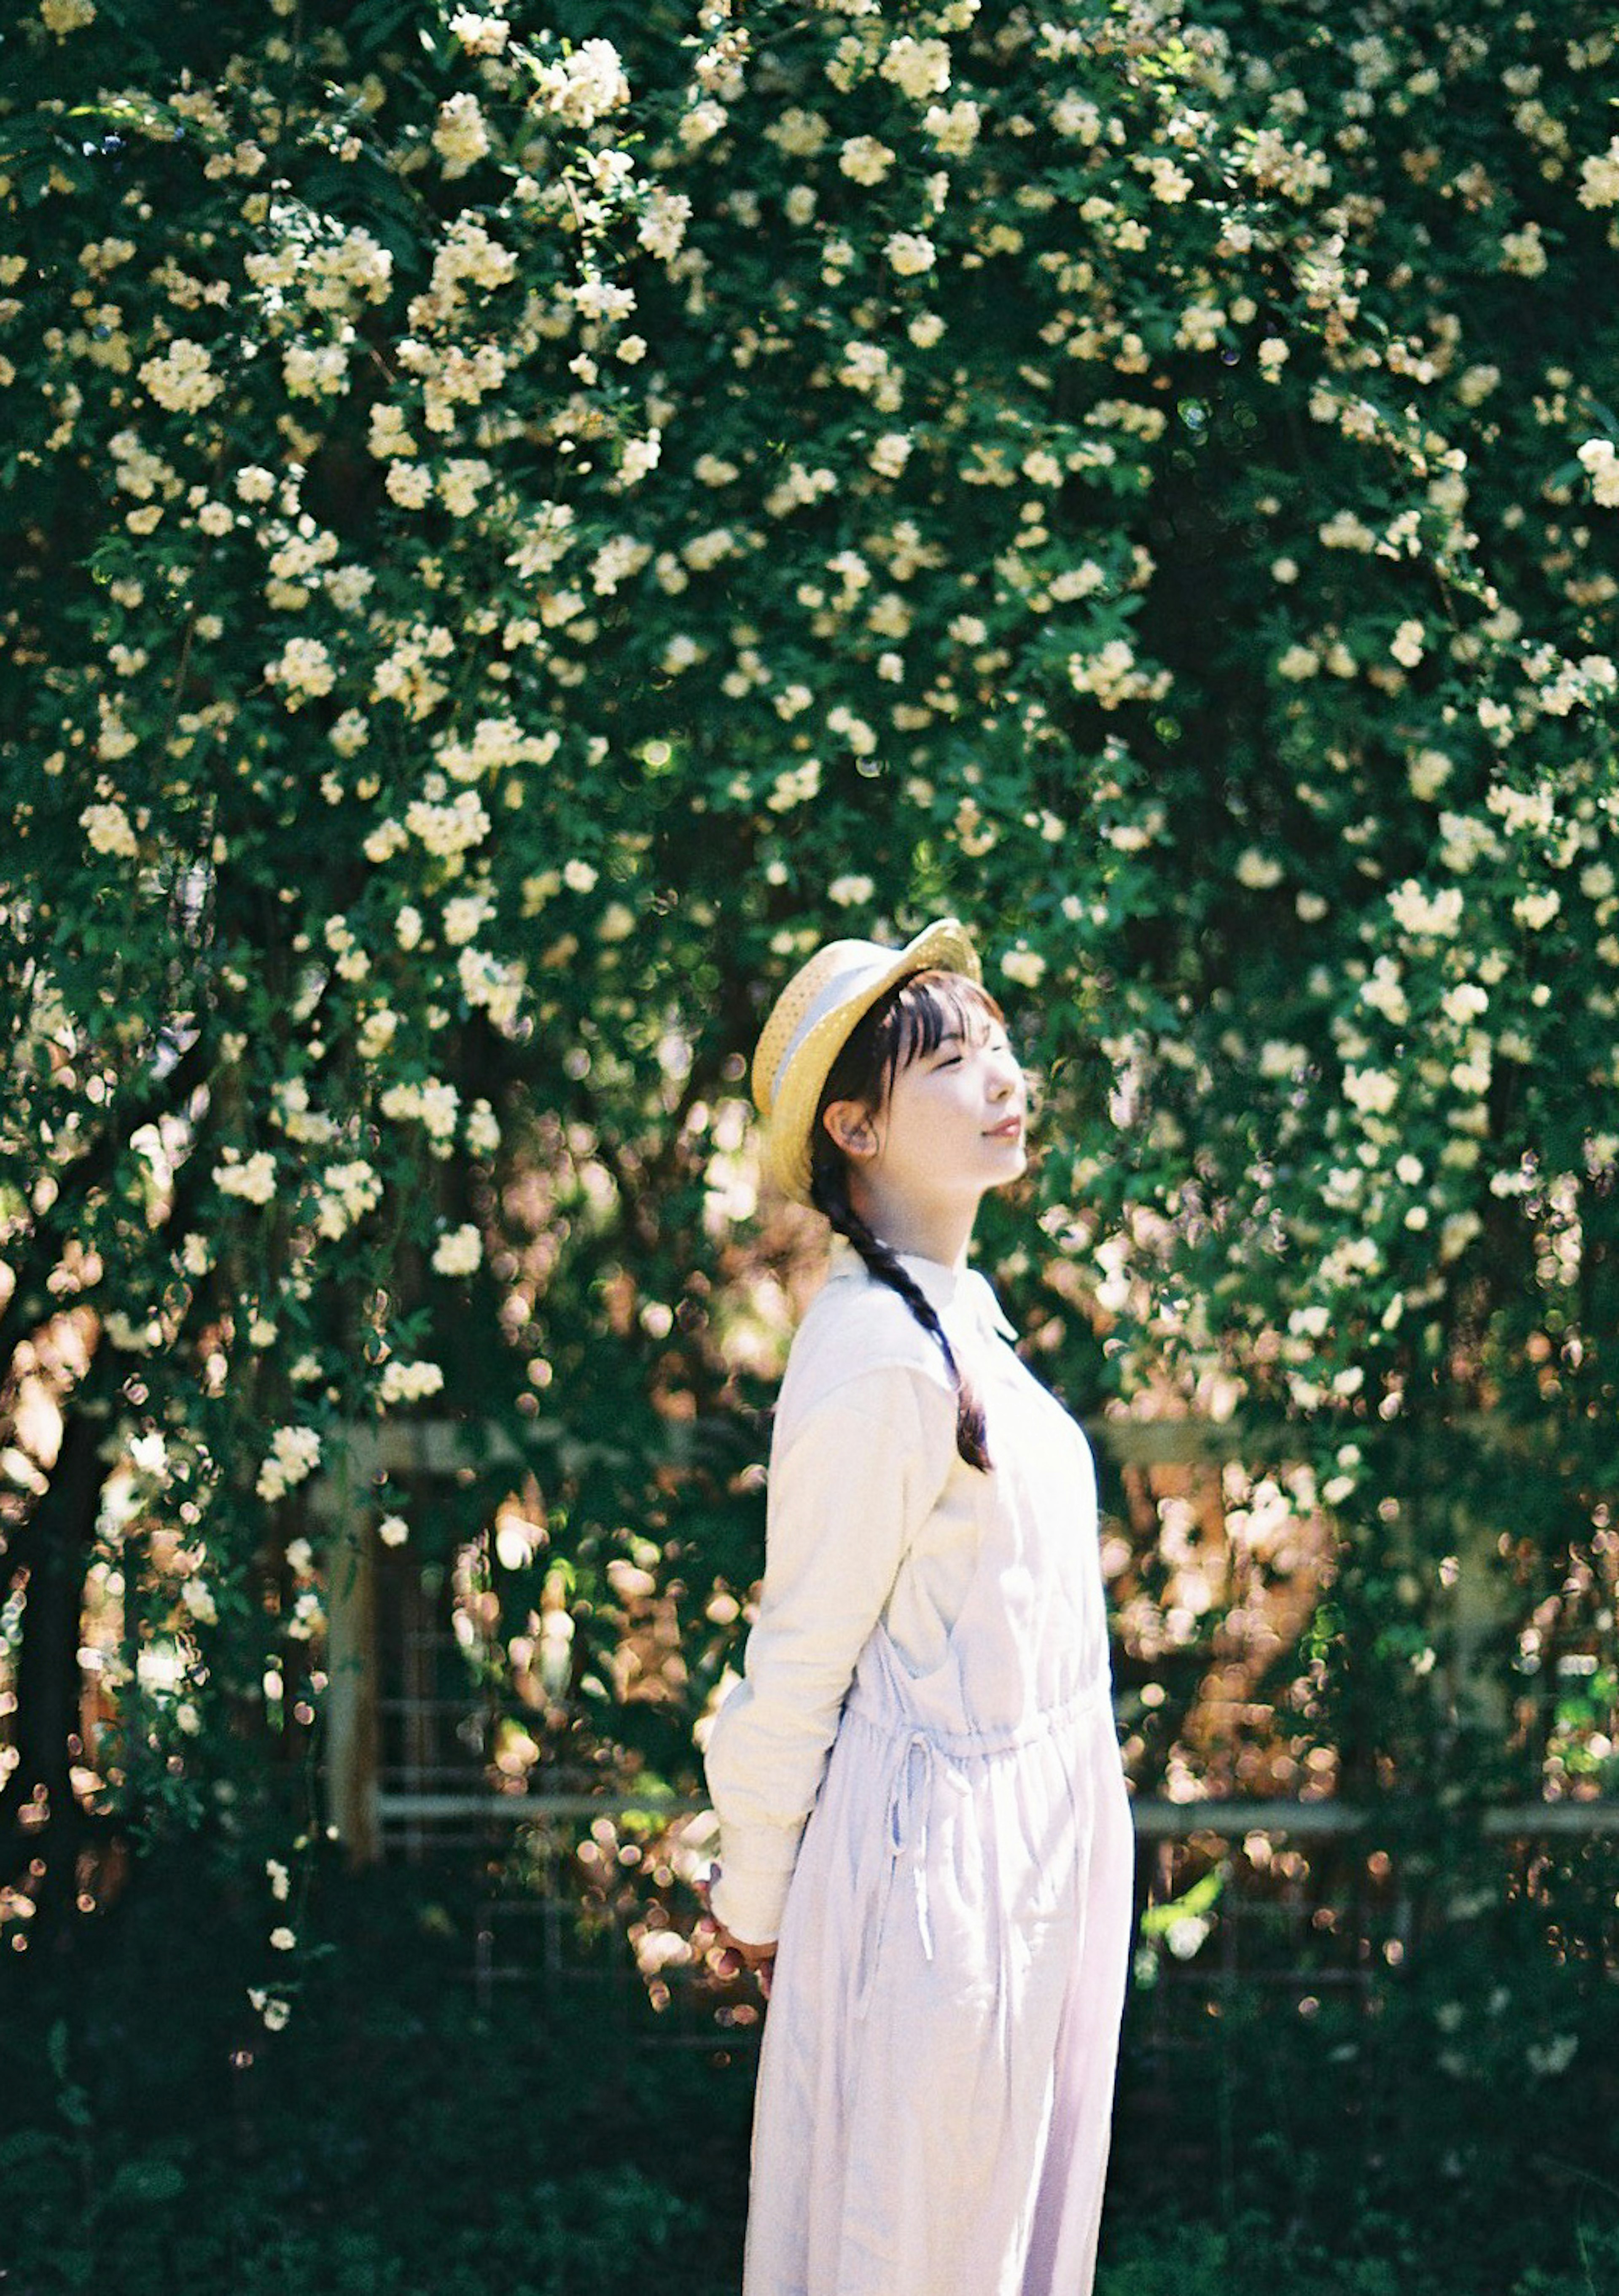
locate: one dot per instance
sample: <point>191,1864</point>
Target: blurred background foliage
<point>519,523</point>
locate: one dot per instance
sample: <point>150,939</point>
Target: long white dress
<point>927,1685</point>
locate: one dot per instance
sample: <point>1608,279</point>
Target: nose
<point>1008,1078</point>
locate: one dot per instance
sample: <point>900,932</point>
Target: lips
<point>1007,1131</point>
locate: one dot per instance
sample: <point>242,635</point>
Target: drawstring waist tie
<point>918,1757</point>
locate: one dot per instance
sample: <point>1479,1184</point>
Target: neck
<point>931,1231</point>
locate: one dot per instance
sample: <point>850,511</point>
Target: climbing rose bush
<point>523,525</point>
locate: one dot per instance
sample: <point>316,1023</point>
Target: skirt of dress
<point>936,2076</point>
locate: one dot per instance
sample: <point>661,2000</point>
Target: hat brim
<point>945,944</point>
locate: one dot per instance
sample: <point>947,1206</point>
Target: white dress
<point>927,1682</point>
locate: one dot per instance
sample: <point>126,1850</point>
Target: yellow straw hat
<point>811,1020</point>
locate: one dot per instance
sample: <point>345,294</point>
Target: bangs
<point>926,1009</point>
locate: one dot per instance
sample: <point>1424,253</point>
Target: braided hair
<point>909,1022</point>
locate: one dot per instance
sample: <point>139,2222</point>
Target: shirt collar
<point>965,1288</point>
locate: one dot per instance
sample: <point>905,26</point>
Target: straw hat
<point>811,1020</point>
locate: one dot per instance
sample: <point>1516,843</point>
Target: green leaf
<point>150,2179</point>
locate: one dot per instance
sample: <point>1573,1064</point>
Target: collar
<point>966,1290</point>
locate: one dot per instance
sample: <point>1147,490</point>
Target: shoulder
<point>858,1337</point>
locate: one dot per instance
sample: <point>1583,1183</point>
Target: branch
<point>27,1305</point>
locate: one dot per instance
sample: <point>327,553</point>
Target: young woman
<point>925,1839</point>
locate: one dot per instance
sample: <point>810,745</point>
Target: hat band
<point>839,989</point>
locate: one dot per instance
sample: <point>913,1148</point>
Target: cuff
<point>750,1889</point>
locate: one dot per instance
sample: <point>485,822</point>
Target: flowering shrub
<point>520,533</point>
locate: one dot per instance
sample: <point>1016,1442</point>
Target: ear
<point>850,1126</point>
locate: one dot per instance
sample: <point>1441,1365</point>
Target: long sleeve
<point>852,1476</point>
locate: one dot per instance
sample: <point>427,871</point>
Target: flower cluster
<point>1144,483</point>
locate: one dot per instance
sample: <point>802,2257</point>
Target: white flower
<point>584,84</point>
<point>64,16</point>
<point>1373,1091</point>
<point>1600,462</point>
<point>348,735</point>
<point>1170,184</point>
<point>280,1880</point>
<point>798,133</point>
<point>954,127</point>
<point>1023,965</point>
<point>293,1453</point>
<point>482,1130</point>
<point>464,916</point>
<point>1200,325</point>
<point>459,482</point>
<point>1465,1002</point>
<point>408,485</point>
<point>1428,772</point>
<point>446,829</point>
<point>254,1180</point>
<point>910,252</point>
<point>1458,1232</point>
<point>1407,644</point>
<point>864,159</point>
<point>1076,117</point>
<point>918,68</point>
<point>347,1191</point>
<point>377,1033</point>
<point>1383,993</point>
<point>640,456</point>
<point>1536,910</point>
<point>1524,253</point>
<point>662,227</point>
<point>461,137</point>
<point>1257,870</point>
<point>409,1383</point>
<point>490,982</point>
<point>182,379</point>
<point>703,123</point>
<point>1417,912</point>
<point>458,1251</point>
<point>315,370</point>
<point>847,891</point>
<point>1113,676</point>
<point>469,252</point>
<point>304,667</point>
<point>107,829</point>
<point>439,1104</point>
<point>1599,178</point>
<point>198,1598</point>
<point>1185,1934</point>
<point>1549,2058</point>
<point>480,36</point>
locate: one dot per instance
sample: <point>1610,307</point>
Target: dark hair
<point>911,1019</point>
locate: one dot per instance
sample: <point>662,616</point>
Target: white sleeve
<point>851,1479</point>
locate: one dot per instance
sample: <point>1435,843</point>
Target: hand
<point>760,1959</point>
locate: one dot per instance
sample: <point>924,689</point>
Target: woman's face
<point>954,1125</point>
